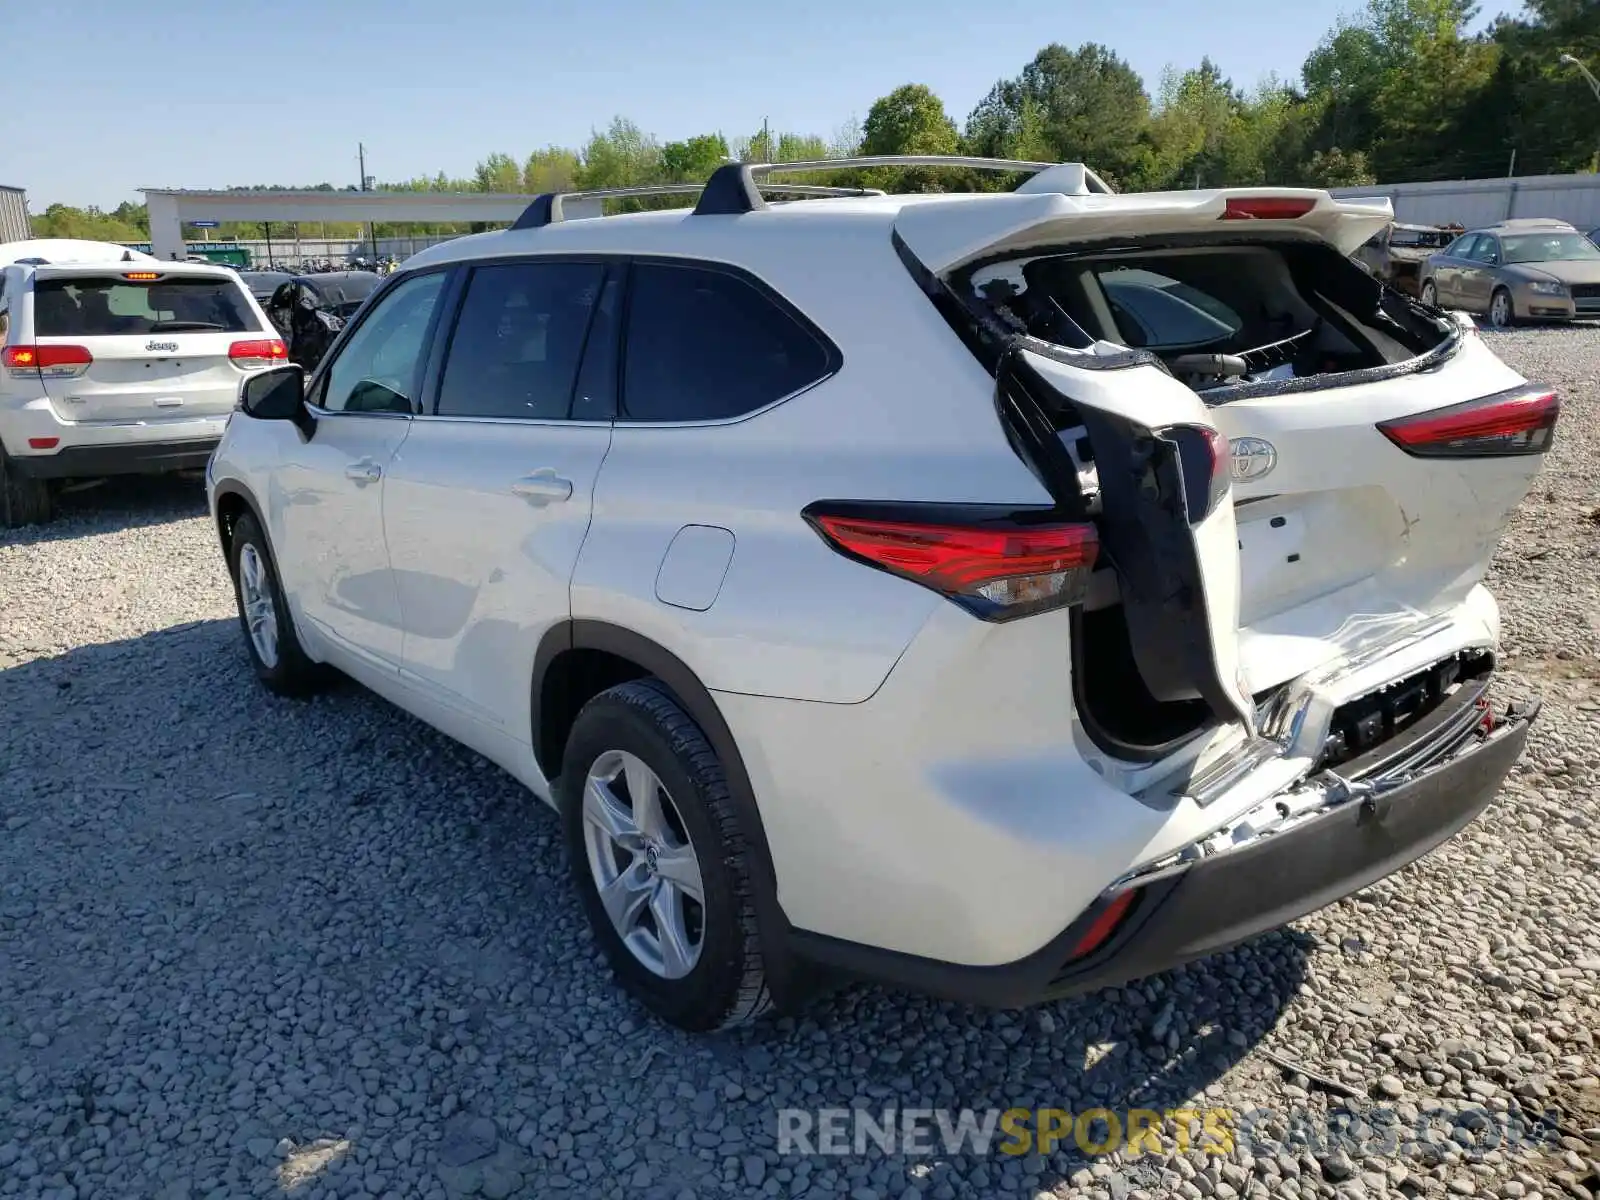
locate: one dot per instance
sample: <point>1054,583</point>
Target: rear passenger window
<point>705,345</point>
<point>518,340</point>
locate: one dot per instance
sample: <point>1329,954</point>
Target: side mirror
<point>275,395</point>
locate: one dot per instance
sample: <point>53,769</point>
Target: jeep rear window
<point>96,306</point>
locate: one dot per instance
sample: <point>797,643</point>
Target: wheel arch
<point>578,655</point>
<point>232,501</point>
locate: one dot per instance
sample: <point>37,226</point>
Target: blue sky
<point>180,93</point>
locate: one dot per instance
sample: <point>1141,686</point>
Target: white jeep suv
<point>998,595</point>
<point>113,362</point>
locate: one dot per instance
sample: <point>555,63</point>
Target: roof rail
<point>736,187</point>
<point>548,208</point>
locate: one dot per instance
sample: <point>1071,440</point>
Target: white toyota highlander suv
<point>112,363</point>
<point>999,595</point>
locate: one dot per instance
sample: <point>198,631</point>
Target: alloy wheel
<point>1500,310</point>
<point>643,864</point>
<point>255,597</point>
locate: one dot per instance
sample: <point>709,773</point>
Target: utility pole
<point>361,158</point>
<point>1512,169</point>
<point>766,142</point>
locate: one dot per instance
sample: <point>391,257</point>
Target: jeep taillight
<point>996,563</point>
<point>1519,421</point>
<point>47,362</point>
<point>263,352</point>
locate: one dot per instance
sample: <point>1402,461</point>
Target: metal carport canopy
<point>170,207</point>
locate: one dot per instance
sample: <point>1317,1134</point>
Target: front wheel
<point>659,857</point>
<point>264,617</point>
<point>1501,313</point>
<point>1430,294</point>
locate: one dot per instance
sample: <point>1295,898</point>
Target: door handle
<point>363,472</point>
<point>543,487</point>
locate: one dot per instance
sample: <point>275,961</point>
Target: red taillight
<point>1207,461</point>
<point>49,361</point>
<point>1521,421</point>
<point>1103,925</point>
<point>265,352</point>
<point>997,568</point>
<point>1267,208</point>
<point>44,443</point>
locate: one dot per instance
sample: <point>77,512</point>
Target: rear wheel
<point>269,635</point>
<point>660,860</point>
<point>1430,294</point>
<point>23,500</point>
<point>1501,313</point>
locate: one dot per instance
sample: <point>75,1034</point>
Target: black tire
<point>293,674</point>
<point>23,501</point>
<point>1511,309</point>
<point>727,985</point>
<point>1430,294</point>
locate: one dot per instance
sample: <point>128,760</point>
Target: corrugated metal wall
<point>14,215</point>
<point>1476,202</point>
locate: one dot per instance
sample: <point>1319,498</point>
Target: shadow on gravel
<point>340,839</point>
<point>126,502</point>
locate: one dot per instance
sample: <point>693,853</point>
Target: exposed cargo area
<point>1224,315</point>
<point>1267,439</point>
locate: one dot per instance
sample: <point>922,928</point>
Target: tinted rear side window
<point>518,340</point>
<point>704,344</point>
<point>100,307</point>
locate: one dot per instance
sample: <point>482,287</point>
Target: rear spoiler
<point>959,232</point>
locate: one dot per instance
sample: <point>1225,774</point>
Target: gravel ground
<point>255,947</point>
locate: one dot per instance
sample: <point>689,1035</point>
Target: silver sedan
<point>1511,273</point>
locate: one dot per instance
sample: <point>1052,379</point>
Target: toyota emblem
<point>1252,458</point>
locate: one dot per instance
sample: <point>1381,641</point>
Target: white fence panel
<point>1475,202</point>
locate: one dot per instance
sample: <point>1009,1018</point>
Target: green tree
<point>1436,71</point>
<point>801,147</point>
<point>553,169</point>
<point>909,120</point>
<point>1085,105</point>
<point>1401,83</point>
<point>1197,123</point>
<point>1334,168</point>
<point>694,160</point>
<point>622,156</point>
<point>498,173</point>
<point>89,224</point>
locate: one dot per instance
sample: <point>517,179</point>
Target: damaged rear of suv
<point>1294,478</point>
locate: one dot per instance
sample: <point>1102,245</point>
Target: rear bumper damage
<point>1298,851</point>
